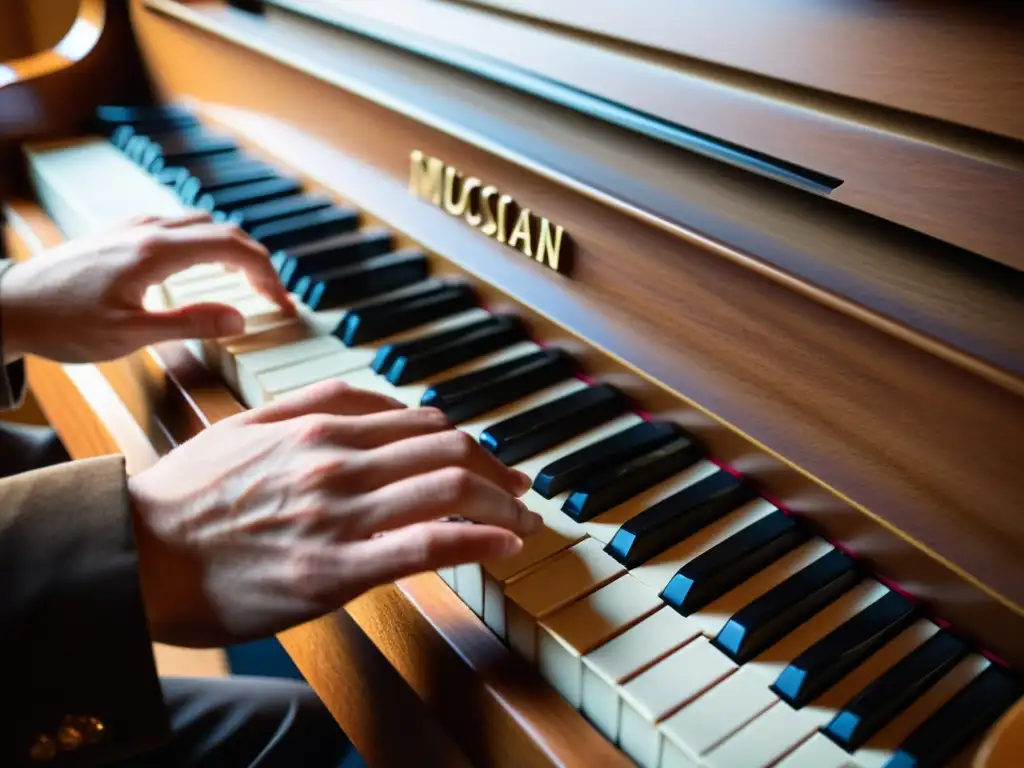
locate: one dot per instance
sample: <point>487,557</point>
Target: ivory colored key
<point>604,526</point>
<point>567,634</point>
<point>818,752</point>
<point>277,382</point>
<point>217,288</point>
<point>225,358</point>
<point>710,719</point>
<point>449,576</point>
<point>657,572</point>
<point>252,365</point>
<point>564,579</point>
<point>195,273</point>
<point>656,693</point>
<point>607,668</point>
<point>781,729</point>
<point>560,532</point>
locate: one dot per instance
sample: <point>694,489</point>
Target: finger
<point>331,396</point>
<point>175,249</point>
<point>443,493</point>
<point>419,455</point>
<point>196,321</point>
<point>373,430</point>
<point>419,548</point>
<point>186,220</point>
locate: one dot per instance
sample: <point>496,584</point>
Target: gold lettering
<point>490,225</point>
<point>454,206</point>
<point>549,247</point>
<point>425,176</point>
<point>522,237</point>
<point>503,203</point>
<point>469,188</point>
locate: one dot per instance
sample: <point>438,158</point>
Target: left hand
<point>82,301</point>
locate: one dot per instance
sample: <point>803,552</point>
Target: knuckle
<point>335,388</point>
<point>455,484</point>
<point>429,547</point>
<point>314,429</point>
<point>150,246</point>
<point>461,445</point>
<point>304,575</point>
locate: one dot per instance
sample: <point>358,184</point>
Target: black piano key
<point>678,517</point>
<point>782,609</point>
<point>965,717</point>
<point>355,282</point>
<point>602,456</point>
<point>610,487</point>
<point>252,216</point>
<point>172,148</point>
<point>885,698</point>
<point>305,227</point>
<point>385,317</point>
<point>217,176</point>
<point>519,437</point>
<point>233,198</point>
<point>492,335</point>
<point>335,252</point>
<point>388,354</point>
<point>150,119</point>
<point>472,394</point>
<point>822,665</point>
<point>731,562</point>
<point>174,176</point>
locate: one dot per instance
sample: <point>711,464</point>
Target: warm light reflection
<point>7,75</point>
<point>79,40</point>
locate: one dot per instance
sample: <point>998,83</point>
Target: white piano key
<point>604,526</point>
<point>258,312</point>
<point>607,668</point>
<point>564,636</point>
<point>448,575</point>
<point>280,380</point>
<point>819,752</point>
<point>716,614</point>
<point>657,572</point>
<point>671,757</point>
<point>879,749</point>
<point>194,273</point>
<point>562,580</point>
<point>228,285</point>
<point>223,353</point>
<point>657,692</point>
<point>252,365</point>
<point>708,720</point>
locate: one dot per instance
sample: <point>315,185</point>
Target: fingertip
<point>521,482</point>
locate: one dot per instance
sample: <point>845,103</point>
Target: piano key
<point>306,227</point>
<point>520,437</point>
<point>213,171</point>
<point>658,692</point>
<point>145,119</point>
<point>287,360</point>
<point>733,561</point>
<point>680,515</point>
<point>657,571</point>
<point>968,714</point>
<point>762,743</point>
<point>389,353</point>
<point>818,752</point>
<point>882,749</point>
<point>252,216</point>
<point>608,668</point>
<point>817,668</point>
<point>563,579</point>
<point>777,612</point>
<point>215,178</point>
<point>222,354</point>
<point>213,288</point>
<point>415,364</point>
<point>448,576</point>
<point>673,758</point>
<point>197,272</point>
<point>566,635</point>
<point>469,396</point>
<point>173,148</point>
<point>336,252</point>
<point>355,282</point>
<point>889,695</point>
<point>280,381</point>
<point>233,198</point>
<point>714,616</point>
<point>571,470</point>
<point>380,318</point>
<point>708,720</point>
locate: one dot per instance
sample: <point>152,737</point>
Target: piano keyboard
<point>690,620</point>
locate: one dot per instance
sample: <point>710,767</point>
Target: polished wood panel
<point>856,143</point>
<point>881,432</point>
<point>960,62</point>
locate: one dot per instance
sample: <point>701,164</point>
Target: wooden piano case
<point>867,377</point>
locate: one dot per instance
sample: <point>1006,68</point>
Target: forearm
<point>73,634</point>
<point>11,331</point>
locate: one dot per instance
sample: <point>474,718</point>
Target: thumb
<point>196,321</point>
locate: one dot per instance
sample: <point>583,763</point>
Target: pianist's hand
<point>82,301</point>
<point>278,515</point>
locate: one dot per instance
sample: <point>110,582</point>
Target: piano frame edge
<point>412,648</point>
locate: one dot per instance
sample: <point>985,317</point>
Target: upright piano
<point>740,285</point>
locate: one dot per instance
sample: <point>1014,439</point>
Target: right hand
<point>280,514</point>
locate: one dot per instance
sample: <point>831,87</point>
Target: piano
<point>742,290</point>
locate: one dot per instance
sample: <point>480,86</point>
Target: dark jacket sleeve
<point>79,681</point>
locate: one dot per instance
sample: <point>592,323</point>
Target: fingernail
<point>521,482</point>
<point>510,545</point>
<point>230,325</point>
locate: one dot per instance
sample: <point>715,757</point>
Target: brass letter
<point>490,226</point>
<point>549,248</point>
<point>425,176</point>
<point>503,203</point>
<point>469,186</point>
<point>521,233</point>
<point>454,206</point>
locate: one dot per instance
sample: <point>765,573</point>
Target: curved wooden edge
<point>1003,747</point>
<point>489,703</point>
<point>79,42</point>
